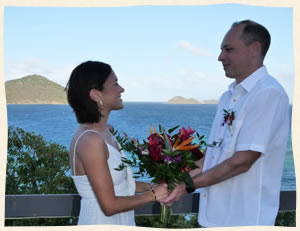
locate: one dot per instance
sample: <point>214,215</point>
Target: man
<point>241,172</point>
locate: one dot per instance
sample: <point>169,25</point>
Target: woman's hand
<point>161,191</point>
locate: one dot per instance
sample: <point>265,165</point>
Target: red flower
<point>197,153</point>
<point>186,169</point>
<point>185,133</point>
<point>155,146</point>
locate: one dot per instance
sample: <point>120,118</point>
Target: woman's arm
<point>93,153</point>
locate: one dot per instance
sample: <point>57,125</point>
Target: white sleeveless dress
<point>124,185</point>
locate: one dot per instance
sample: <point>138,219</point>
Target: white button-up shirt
<point>261,124</point>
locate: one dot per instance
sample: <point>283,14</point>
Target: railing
<point>67,205</point>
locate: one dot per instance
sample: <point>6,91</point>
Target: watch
<point>189,188</point>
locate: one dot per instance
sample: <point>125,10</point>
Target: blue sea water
<point>57,123</point>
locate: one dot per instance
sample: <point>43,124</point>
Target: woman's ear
<point>95,95</point>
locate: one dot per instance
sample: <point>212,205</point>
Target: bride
<point>107,196</point>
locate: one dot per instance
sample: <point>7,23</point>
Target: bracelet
<point>154,194</point>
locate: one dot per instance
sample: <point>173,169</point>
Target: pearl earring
<point>100,102</point>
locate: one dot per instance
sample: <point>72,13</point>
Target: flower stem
<point>165,213</point>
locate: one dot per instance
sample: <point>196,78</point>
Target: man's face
<point>235,55</point>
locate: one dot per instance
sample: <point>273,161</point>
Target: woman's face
<point>111,93</point>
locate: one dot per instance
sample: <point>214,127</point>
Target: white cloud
<point>285,75</point>
<point>163,86</point>
<point>30,66</point>
<point>286,79</point>
<point>158,87</point>
<point>61,75</point>
<point>19,69</point>
<point>192,48</point>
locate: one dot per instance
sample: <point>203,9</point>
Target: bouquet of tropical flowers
<point>163,156</point>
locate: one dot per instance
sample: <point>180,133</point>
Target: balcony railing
<point>67,205</point>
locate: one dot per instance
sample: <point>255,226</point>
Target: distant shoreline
<point>36,104</point>
<point>123,102</point>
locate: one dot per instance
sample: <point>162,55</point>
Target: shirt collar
<point>249,83</point>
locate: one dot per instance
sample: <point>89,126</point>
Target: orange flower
<point>177,141</point>
<point>187,147</point>
<point>184,143</point>
<point>151,130</point>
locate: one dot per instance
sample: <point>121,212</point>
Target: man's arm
<point>239,163</point>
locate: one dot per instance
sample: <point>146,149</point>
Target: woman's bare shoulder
<point>91,143</point>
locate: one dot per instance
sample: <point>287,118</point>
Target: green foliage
<point>42,222</point>
<point>286,218</point>
<point>176,221</point>
<point>160,158</point>
<point>35,166</point>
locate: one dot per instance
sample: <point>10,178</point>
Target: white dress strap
<point>76,145</point>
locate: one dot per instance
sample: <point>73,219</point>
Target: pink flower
<point>185,133</point>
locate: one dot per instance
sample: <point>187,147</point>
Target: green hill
<point>182,100</point>
<point>34,89</point>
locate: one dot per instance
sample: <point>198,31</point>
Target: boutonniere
<point>229,116</point>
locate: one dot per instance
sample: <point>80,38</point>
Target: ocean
<point>57,123</point>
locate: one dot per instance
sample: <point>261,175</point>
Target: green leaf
<point>173,129</point>
<point>167,142</point>
<point>188,180</point>
<point>161,129</point>
<point>35,166</point>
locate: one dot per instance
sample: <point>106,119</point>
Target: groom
<point>241,172</point>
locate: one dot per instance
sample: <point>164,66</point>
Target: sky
<point>157,52</point>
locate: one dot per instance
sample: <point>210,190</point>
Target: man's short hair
<point>254,32</point>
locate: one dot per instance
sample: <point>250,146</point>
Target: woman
<point>107,195</point>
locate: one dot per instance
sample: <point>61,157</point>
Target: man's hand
<point>175,195</point>
<point>179,190</point>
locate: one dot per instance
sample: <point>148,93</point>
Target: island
<point>34,89</point>
<point>183,100</point>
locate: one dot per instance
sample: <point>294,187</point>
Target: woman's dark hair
<point>86,76</point>
<point>254,32</point>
